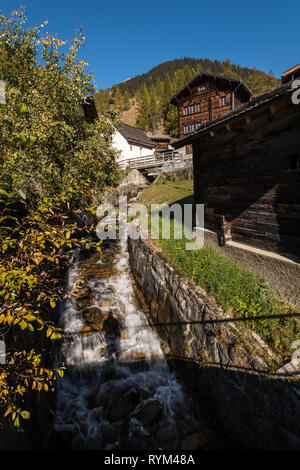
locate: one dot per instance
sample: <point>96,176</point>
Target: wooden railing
<point>151,161</point>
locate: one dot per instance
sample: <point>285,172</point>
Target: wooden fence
<point>155,161</point>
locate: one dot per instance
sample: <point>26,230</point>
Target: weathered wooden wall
<point>161,145</point>
<point>244,174</point>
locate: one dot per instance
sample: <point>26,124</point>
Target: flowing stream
<point>118,391</point>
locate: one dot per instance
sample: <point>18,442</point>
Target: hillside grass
<point>164,191</point>
<point>239,292</point>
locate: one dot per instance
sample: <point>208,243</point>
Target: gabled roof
<point>160,137</point>
<point>291,74</point>
<point>255,105</point>
<point>233,83</point>
<point>135,136</point>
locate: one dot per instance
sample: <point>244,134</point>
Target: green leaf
<point>25,414</point>
<point>31,140</point>
<point>17,422</point>
<point>8,411</point>
<point>23,325</point>
<point>23,108</point>
<point>22,137</point>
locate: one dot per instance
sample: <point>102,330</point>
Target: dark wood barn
<point>247,172</point>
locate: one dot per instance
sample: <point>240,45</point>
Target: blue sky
<point>127,38</point>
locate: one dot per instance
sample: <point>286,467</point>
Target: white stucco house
<point>132,144</point>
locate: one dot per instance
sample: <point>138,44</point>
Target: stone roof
<point>160,137</point>
<point>135,136</point>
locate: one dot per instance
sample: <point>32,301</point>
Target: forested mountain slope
<point>144,99</point>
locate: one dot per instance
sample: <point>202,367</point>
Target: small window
<point>185,129</point>
<point>185,110</point>
<point>197,107</point>
<point>130,148</point>
<point>204,86</point>
<point>191,109</point>
<point>223,101</point>
<point>198,124</point>
<point>294,162</point>
<point>192,128</point>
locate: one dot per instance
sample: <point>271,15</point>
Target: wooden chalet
<point>161,141</point>
<point>247,171</point>
<point>205,98</point>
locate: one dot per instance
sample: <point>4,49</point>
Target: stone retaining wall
<point>224,366</point>
<point>180,174</point>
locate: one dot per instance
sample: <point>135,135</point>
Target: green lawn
<point>167,191</point>
<point>239,292</point>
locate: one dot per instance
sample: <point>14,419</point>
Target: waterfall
<point>118,391</point>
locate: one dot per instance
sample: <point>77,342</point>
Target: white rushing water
<point>132,361</point>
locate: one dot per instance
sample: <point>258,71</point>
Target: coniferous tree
<point>171,120</point>
<point>138,96</point>
<point>153,109</point>
<point>159,89</point>
<point>126,100</point>
<point>118,99</point>
<point>187,73</point>
<point>228,71</point>
<point>143,118</point>
<point>178,80</point>
<point>167,89</point>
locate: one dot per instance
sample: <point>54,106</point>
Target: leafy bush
<point>51,160</point>
<point>45,142</point>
